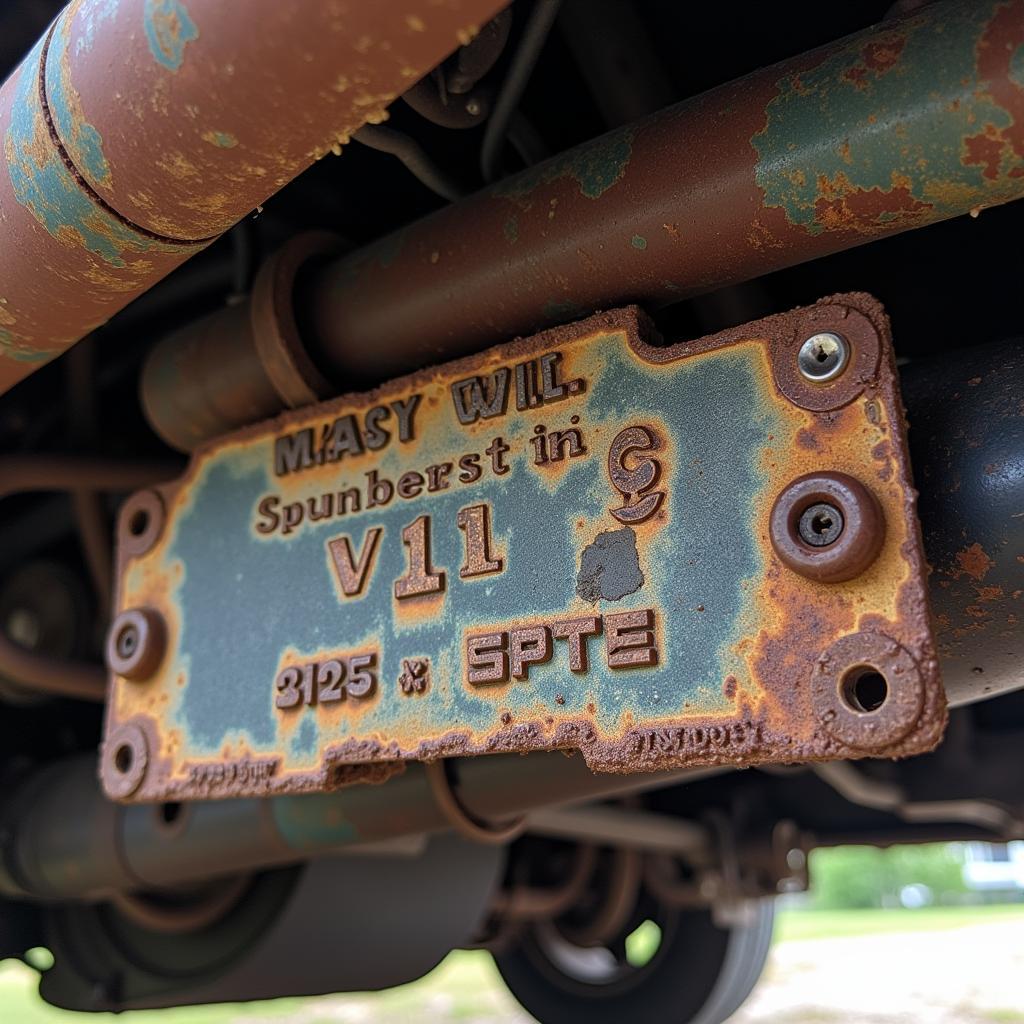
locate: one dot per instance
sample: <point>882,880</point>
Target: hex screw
<point>821,525</point>
<point>823,357</point>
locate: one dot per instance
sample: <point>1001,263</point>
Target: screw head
<point>820,525</point>
<point>823,357</point>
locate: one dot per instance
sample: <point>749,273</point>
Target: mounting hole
<point>864,689</point>
<point>127,640</point>
<point>170,813</point>
<point>821,524</point>
<point>138,522</point>
<point>124,758</point>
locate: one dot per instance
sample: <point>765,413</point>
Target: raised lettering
<point>420,578</point>
<point>352,574</point>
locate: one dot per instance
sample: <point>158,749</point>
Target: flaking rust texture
<point>561,543</point>
<point>136,131</point>
<point>908,123</point>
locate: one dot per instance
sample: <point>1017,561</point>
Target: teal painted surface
<point>595,167</point>
<point>169,29</point>
<point>81,139</point>
<point>43,184</point>
<point>244,599</point>
<point>840,147</point>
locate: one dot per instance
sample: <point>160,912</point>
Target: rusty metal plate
<point>659,556</point>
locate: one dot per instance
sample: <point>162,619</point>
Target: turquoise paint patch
<point>241,598</point>
<point>169,29</point>
<point>512,230</point>
<point>861,108</point>
<point>224,140</point>
<point>92,14</point>
<point>43,184</point>
<point>21,352</point>
<point>595,167</point>
<point>638,242</point>
<point>311,821</point>
<point>1017,67</point>
<point>81,139</point>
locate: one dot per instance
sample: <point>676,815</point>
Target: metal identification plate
<point>659,556</point>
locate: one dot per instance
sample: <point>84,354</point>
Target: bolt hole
<point>170,812</point>
<point>820,525</point>
<point>127,641</point>
<point>124,758</point>
<point>864,689</point>
<point>138,522</point>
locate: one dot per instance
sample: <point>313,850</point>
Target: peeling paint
<point>168,30</point>
<point>225,140</point>
<point>80,139</point>
<point>867,93</point>
<point>595,167</point>
<point>610,567</point>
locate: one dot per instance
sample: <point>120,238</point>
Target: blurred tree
<point>862,876</point>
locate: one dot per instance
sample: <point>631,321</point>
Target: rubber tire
<point>700,974</point>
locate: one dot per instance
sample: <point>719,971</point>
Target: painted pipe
<point>908,123</point>
<point>137,131</point>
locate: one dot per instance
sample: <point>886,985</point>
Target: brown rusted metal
<point>137,131</point>
<point>906,124</point>
<point>454,587</point>
<point>241,363</point>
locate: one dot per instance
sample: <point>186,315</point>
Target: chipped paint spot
<point>881,176</point>
<point>225,140</point>
<point>168,30</point>
<point>512,230</point>
<point>638,242</point>
<point>595,167</point>
<point>610,567</point>
<point>13,348</point>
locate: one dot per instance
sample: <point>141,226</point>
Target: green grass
<point>830,924</point>
<point>466,987</point>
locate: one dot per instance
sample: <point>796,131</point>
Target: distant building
<point>994,867</point>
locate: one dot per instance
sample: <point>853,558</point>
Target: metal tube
<point>66,840</point>
<point>967,449</point>
<point>136,132</point>
<point>905,124</point>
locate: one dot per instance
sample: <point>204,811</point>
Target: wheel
<point>677,967</point>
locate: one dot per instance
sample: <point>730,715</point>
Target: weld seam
<point>80,179</point>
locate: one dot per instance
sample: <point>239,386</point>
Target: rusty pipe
<point>136,132</point>
<point>905,124</point>
<point>69,841</point>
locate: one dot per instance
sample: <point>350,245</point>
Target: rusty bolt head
<point>827,526</point>
<point>136,643</point>
<point>823,357</point>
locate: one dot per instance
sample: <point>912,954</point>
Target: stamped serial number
<point>327,682</point>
